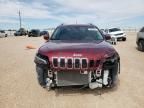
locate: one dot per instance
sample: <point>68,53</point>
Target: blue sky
<point>43,14</point>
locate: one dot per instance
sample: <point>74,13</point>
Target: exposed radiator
<point>71,78</point>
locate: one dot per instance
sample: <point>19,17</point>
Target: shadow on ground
<point>73,91</point>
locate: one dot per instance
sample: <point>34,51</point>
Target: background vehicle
<point>140,39</point>
<point>3,33</point>
<point>116,33</point>
<point>112,40</point>
<point>34,33</point>
<point>21,32</point>
<point>77,55</point>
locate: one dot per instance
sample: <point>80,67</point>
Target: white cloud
<point>7,20</point>
<point>35,10</point>
<point>68,11</point>
<point>106,9</point>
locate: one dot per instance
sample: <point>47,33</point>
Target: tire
<point>141,45</point>
<point>124,39</point>
<point>114,75</point>
<point>41,75</point>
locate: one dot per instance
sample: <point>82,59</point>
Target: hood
<point>95,49</point>
<point>116,32</point>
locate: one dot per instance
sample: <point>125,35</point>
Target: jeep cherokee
<point>77,55</point>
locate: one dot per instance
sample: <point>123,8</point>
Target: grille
<point>119,34</point>
<point>74,63</point>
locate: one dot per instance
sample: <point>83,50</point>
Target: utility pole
<point>20,18</point>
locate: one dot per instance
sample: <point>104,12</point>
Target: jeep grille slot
<point>84,63</point>
<point>77,63</point>
<point>62,62</point>
<point>69,63</point>
<point>91,63</point>
<point>55,62</point>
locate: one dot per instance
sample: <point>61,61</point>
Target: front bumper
<point>94,77</point>
<point>119,36</point>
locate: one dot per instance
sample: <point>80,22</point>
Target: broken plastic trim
<point>39,60</point>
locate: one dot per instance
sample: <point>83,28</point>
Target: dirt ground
<point>19,87</point>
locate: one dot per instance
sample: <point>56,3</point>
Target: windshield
<point>76,33</point>
<point>114,30</point>
<point>35,31</point>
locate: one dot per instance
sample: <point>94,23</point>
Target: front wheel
<point>41,75</point>
<point>124,39</point>
<point>113,76</point>
<point>141,45</point>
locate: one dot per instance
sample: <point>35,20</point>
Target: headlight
<point>112,59</point>
<point>41,59</point>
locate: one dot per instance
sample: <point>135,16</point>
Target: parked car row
<point>34,33</point>
<point>31,33</point>
<point>21,32</point>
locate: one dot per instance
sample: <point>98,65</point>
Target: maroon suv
<point>77,55</point>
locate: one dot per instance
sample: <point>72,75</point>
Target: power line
<point>20,18</point>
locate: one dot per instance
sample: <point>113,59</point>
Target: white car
<point>140,40</point>
<point>116,33</point>
<point>2,33</point>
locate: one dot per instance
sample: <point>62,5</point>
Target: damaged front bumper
<point>103,76</point>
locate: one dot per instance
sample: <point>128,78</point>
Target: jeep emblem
<point>77,55</point>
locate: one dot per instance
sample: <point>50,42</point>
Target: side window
<point>142,30</point>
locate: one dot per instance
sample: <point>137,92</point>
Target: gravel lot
<point>19,87</point>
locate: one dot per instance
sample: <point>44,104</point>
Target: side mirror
<point>107,36</point>
<point>45,35</point>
